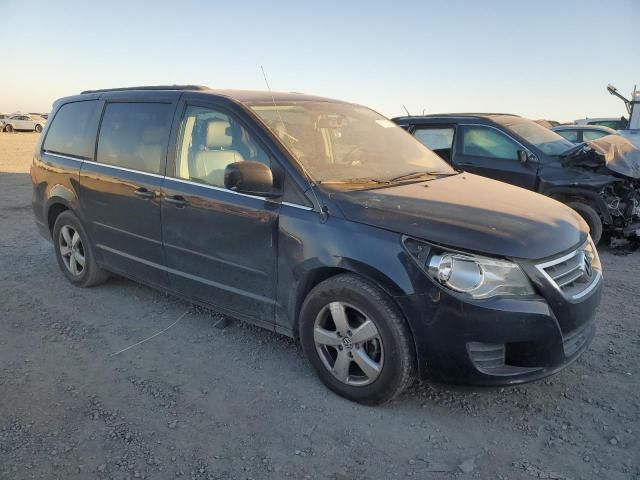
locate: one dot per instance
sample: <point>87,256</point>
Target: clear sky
<point>540,59</point>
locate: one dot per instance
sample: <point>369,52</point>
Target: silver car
<point>22,121</point>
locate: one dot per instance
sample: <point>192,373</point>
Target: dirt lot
<point>202,402</point>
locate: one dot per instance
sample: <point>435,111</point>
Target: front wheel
<point>591,217</point>
<point>74,252</point>
<point>8,128</point>
<point>356,340</point>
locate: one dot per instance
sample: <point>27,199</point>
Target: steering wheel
<point>357,150</point>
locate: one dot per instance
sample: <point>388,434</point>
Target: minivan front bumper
<point>498,341</point>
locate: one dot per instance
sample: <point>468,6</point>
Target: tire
<point>38,128</point>
<point>388,357</point>
<point>591,217</point>
<point>70,251</point>
<point>8,128</point>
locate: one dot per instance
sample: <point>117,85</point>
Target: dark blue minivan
<point>321,220</point>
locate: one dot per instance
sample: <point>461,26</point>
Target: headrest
<point>218,134</point>
<point>153,135</point>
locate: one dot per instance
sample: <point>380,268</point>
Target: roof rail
<point>149,87</point>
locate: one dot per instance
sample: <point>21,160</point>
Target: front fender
<point>310,251</point>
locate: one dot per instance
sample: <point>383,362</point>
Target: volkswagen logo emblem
<point>347,343</point>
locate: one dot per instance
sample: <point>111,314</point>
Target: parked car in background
<point>547,123</point>
<point>583,133</point>
<point>3,119</point>
<point>617,123</point>
<point>24,122</point>
<point>312,217</point>
<point>604,191</point>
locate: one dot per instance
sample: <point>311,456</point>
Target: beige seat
<point>211,162</point>
<point>150,149</point>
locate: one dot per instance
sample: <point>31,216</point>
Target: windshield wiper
<point>356,181</point>
<point>411,176</point>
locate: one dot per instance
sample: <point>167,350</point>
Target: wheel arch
<point>316,275</point>
<point>588,197</point>
<point>60,199</point>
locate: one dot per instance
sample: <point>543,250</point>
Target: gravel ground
<point>203,402</point>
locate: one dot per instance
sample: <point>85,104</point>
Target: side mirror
<point>249,177</point>
<point>523,156</point>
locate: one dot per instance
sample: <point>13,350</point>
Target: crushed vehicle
<point>599,179</point>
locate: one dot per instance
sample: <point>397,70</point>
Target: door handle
<point>144,193</point>
<point>177,200</point>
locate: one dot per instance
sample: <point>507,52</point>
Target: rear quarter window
<point>571,135</point>
<point>435,138</point>
<point>70,131</point>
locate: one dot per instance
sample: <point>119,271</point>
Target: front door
<point>120,191</point>
<point>489,152</point>
<point>220,246</point>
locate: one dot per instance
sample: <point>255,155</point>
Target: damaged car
<point>599,179</point>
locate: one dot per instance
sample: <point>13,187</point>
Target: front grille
<point>574,274</point>
<point>575,339</point>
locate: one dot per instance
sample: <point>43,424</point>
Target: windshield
<point>338,142</point>
<point>546,140</point>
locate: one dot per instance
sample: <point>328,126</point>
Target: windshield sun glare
<point>342,143</point>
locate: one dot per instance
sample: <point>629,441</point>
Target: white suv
<point>24,122</point>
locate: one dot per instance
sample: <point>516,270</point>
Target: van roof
<point>239,95</point>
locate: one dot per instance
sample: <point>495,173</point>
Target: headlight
<point>479,277</point>
<point>472,275</point>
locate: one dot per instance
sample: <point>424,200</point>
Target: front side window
<point>487,142</point>
<point>69,132</point>
<point>211,140</point>
<point>571,135</point>
<point>435,138</point>
<point>343,143</point>
<point>134,135</point>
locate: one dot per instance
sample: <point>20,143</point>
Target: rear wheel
<point>74,252</point>
<point>591,217</point>
<point>38,128</point>
<point>356,340</point>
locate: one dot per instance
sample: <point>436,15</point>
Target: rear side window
<point>435,138</point>
<point>70,130</point>
<point>589,135</point>
<point>134,135</point>
<point>571,135</point>
<point>487,142</point>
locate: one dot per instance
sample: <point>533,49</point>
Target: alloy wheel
<point>349,344</point>
<point>71,250</point>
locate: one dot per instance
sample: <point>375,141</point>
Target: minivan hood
<point>471,213</point>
